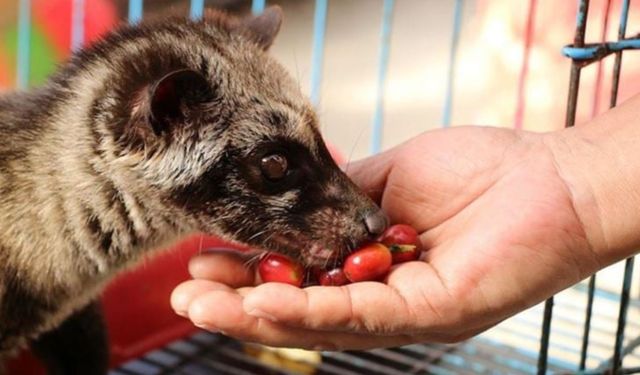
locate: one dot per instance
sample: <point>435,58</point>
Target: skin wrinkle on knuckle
<point>382,325</point>
<point>429,305</point>
<point>440,316</point>
<point>410,320</point>
<point>353,322</point>
<point>308,312</point>
<point>257,327</point>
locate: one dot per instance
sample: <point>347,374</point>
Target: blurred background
<point>487,70</point>
<point>487,81</point>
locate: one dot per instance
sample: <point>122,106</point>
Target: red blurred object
<point>136,304</point>
<point>336,154</point>
<point>100,16</point>
<point>4,73</point>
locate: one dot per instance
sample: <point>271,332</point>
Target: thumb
<point>371,173</point>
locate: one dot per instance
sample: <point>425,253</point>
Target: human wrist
<point>600,164</point>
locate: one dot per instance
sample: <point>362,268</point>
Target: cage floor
<point>509,348</point>
<point>206,353</point>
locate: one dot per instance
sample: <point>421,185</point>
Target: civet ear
<point>264,28</point>
<point>173,98</point>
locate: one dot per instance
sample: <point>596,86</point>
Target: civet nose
<point>376,222</point>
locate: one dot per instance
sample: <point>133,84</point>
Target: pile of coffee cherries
<point>371,262</point>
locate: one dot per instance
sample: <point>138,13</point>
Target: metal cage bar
<point>383,64</point>
<point>574,82</point>
<point>616,361</point>
<point>135,11</point>
<point>587,323</point>
<point>451,72</point>
<point>574,79</point>
<point>544,337</point>
<point>618,62</point>
<point>592,280</point>
<point>628,269</point>
<point>196,10</point>
<point>77,24</point>
<point>317,54</point>
<point>24,44</point>
<point>595,106</point>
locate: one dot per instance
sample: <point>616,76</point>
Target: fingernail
<point>261,314</point>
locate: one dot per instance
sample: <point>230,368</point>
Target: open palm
<point>501,232</point>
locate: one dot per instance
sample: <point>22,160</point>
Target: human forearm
<point>600,162</point>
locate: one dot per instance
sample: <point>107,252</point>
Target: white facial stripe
<point>185,160</point>
<point>284,201</point>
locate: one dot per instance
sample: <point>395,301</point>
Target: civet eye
<point>274,166</point>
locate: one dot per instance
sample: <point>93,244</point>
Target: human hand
<point>493,211</point>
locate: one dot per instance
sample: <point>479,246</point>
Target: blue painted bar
<point>135,11</point>
<point>600,50</point>
<point>257,6</point>
<point>24,43</point>
<point>383,64</point>
<point>453,53</point>
<point>77,24</point>
<point>197,9</point>
<point>317,54</point>
<point>623,19</point>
